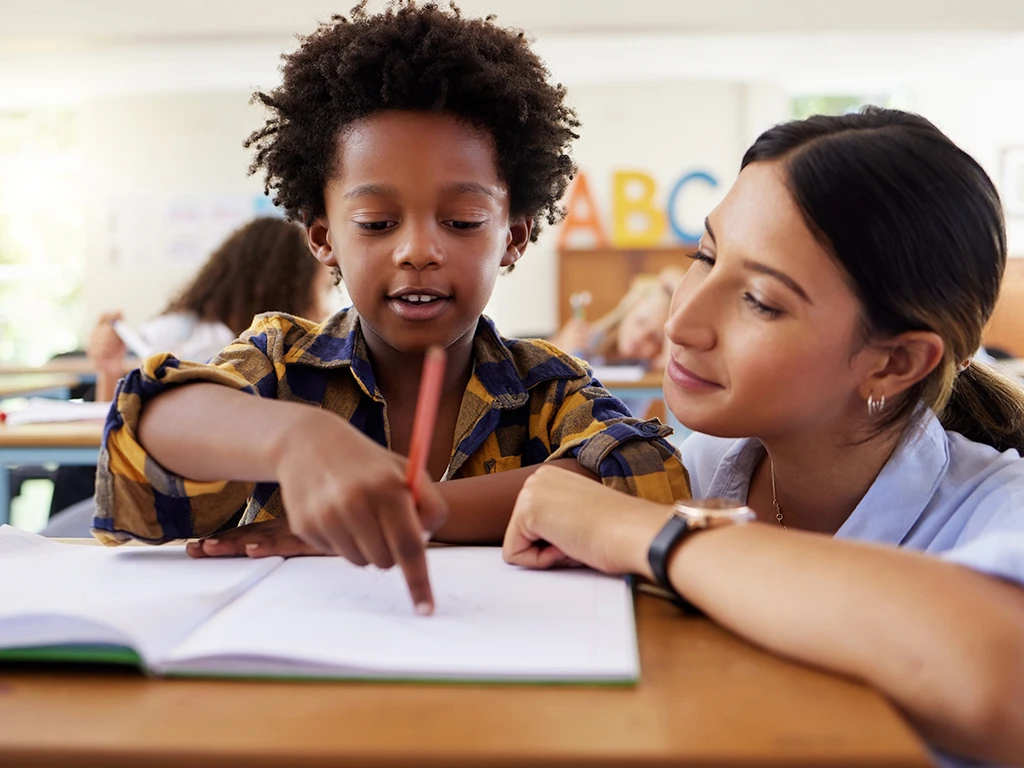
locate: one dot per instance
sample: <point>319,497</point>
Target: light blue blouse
<point>939,493</point>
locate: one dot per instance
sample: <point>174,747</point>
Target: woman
<point>822,342</point>
<point>262,266</point>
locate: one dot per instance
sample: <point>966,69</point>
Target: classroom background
<point>122,122</point>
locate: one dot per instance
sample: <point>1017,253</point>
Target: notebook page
<point>42,409</point>
<point>14,540</point>
<point>324,616</point>
<point>146,597</point>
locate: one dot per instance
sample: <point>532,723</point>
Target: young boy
<point>421,151</point>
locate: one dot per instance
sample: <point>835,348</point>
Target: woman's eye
<point>702,257</point>
<point>761,308</point>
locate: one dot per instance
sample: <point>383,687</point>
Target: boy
<point>420,150</point>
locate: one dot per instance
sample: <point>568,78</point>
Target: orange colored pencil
<point>426,414</point>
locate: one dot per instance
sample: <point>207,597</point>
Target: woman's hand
<point>562,518</point>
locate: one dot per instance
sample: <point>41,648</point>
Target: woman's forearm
<point>945,643</point>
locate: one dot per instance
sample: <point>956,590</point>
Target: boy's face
<point>418,221</point>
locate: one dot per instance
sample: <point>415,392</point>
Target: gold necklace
<point>775,496</point>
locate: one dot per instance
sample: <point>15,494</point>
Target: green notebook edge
<point>73,654</point>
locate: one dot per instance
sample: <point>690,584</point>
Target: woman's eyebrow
<point>764,269</point>
<point>782,277</point>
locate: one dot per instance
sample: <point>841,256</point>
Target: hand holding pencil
<point>346,495</point>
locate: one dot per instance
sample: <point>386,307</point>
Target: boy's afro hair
<point>423,58</point>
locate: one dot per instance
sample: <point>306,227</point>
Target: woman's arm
<point>945,643</point>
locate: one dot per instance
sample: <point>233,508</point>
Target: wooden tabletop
<point>18,384</point>
<point>706,699</point>
<point>70,434</point>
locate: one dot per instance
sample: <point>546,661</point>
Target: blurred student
<point>633,332</point>
<point>263,266</point>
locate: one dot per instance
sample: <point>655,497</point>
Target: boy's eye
<point>761,308</point>
<point>464,224</point>
<point>375,226</point>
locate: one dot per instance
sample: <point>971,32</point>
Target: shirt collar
<point>894,502</point>
<point>901,492</point>
<point>504,376</point>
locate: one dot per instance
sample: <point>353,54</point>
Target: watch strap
<point>671,535</point>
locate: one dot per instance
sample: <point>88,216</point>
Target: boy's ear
<point>318,236</point>
<point>519,231</point>
<point>901,362</point>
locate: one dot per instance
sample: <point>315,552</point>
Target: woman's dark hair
<point>263,266</point>
<point>917,226</point>
<point>424,59</point>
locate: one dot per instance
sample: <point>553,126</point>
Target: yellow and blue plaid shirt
<point>527,402</point>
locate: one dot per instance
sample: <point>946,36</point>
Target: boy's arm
<point>207,432</point>
<point>591,433</point>
<point>479,508</point>
<point>159,497</point>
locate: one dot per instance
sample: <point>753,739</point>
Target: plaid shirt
<point>527,402</point>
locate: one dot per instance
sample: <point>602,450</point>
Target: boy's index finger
<point>405,538</point>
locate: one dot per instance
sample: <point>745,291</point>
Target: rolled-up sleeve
<point>138,498</point>
<point>629,454</point>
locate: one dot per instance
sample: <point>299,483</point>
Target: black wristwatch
<point>686,518</point>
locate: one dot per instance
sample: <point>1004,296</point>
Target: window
<point>42,240</point>
<point>835,104</point>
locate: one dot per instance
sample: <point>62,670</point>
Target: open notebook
<point>311,617</point>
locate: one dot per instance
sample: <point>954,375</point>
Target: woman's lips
<point>686,379</point>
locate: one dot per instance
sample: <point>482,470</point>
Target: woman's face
<point>764,330</point>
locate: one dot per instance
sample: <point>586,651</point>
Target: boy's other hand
<point>263,539</point>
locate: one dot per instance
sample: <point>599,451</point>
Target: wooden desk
<point>71,443</point>
<point>21,384</point>
<point>706,699</point>
<point>80,367</point>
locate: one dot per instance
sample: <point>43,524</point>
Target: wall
<point>664,129</point>
<point>167,178</point>
<point>152,164</point>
